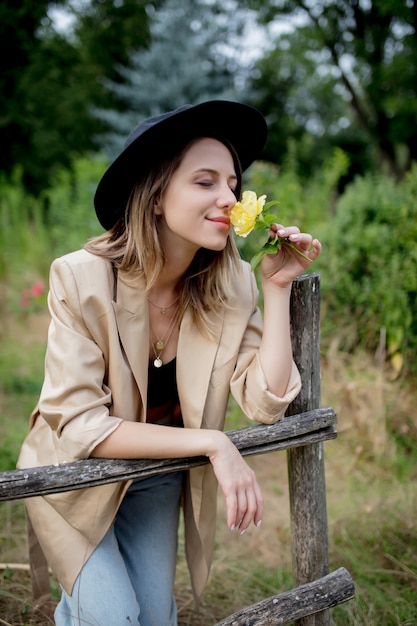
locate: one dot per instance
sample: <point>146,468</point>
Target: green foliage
<point>23,236</point>
<point>10,446</point>
<point>307,204</point>
<point>170,72</point>
<point>108,30</point>
<point>338,65</point>
<point>21,372</point>
<point>33,231</point>
<point>372,257</point>
<point>19,41</point>
<point>71,218</point>
<point>302,103</point>
<point>336,75</point>
<point>50,81</point>
<point>368,265</point>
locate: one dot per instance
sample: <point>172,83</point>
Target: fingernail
<point>281,232</point>
<point>242,532</point>
<point>294,237</point>
<point>258,524</point>
<point>232,527</point>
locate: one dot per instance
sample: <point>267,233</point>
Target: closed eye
<point>208,183</point>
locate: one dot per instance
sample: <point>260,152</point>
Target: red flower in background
<point>37,289</point>
<point>35,292</point>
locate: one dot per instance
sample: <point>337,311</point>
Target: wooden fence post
<point>306,473</point>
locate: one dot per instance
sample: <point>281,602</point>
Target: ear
<point>157,206</point>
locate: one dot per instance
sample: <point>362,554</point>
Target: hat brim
<point>241,125</point>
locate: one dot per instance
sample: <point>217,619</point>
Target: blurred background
<point>337,82</point>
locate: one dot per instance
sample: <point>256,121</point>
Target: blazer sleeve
<point>74,400</point>
<point>248,384</point>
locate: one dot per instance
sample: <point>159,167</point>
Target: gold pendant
<point>157,362</point>
<point>163,310</point>
<point>159,345</point>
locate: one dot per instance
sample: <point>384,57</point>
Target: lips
<point>220,220</point>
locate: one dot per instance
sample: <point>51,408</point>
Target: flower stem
<point>291,245</point>
<point>271,247</point>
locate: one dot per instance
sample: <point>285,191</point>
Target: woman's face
<point>194,210</point>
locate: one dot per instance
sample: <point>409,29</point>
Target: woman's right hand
<point>138,440</point>
<point>244,501</point>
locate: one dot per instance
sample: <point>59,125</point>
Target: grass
<point>381,557</point>
<point>372,503</point>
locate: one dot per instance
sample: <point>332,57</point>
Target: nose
<point>227,198</point>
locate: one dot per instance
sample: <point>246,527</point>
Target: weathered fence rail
<point>316,425</point>
<point>304,601</point>
<point>301,433</point>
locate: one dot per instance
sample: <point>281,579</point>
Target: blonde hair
<point>133,245</point>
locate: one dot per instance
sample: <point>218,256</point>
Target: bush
<point>368,266</point>
<point>371,286</point>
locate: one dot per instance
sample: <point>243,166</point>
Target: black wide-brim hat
<point>154,138</point>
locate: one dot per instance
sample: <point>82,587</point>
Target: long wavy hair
<point>133,244</point>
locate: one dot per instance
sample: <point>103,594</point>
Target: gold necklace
<point>160,344</point>
<point>163,309</point>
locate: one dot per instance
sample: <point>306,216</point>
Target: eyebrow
<point>214,172</point>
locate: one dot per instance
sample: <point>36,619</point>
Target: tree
<point>188,61</point>
<point>20,24</point>
<point>51,81</point>
<point>360,53</point>
<point>108,30</point>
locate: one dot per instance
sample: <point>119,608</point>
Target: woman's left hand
<point>287,264</point>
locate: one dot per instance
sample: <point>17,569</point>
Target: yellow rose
<point>243,215</point>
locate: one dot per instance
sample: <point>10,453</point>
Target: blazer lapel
<point>195,359</point>
<point>132,318</point>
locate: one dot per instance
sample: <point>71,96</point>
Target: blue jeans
<point>129,578</point>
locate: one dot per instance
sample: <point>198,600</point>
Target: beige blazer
<point>96,375</point>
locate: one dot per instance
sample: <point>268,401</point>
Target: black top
<point>162,401</point>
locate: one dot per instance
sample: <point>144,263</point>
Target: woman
<point>153,324</point>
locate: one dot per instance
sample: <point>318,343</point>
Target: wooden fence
<point>302,433</point>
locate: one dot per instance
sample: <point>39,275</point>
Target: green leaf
<point>259,225</point>
<point>270,219</point>
<point>264,221</point>
<point>269,204</point>
<point>255,260</point>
